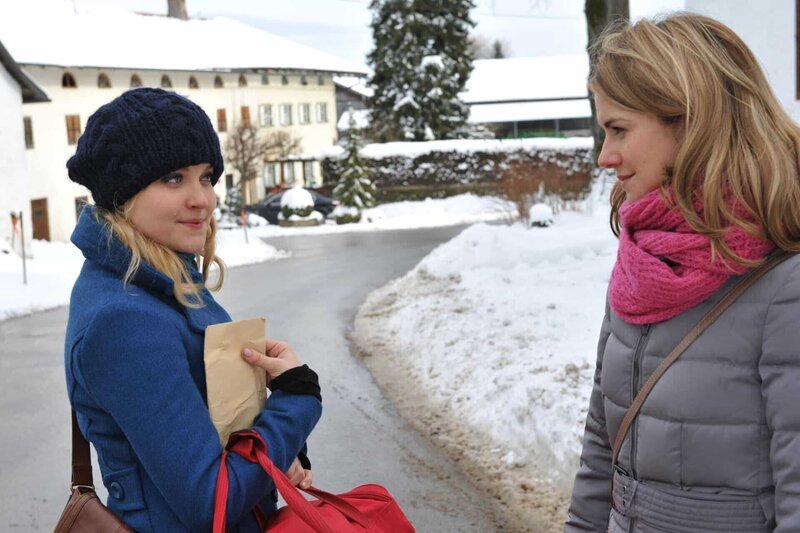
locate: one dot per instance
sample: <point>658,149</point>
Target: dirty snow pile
<point>498,328</point>
<point>54,266</point>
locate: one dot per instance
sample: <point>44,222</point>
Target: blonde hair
<point>166,261</point>
<point>737,147</point>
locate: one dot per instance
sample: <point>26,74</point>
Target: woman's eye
<point>172,179</point>
<point>617,130</point>
<point>208,178</point>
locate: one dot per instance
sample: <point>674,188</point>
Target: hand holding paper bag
<point>237,391</point>
<point>276,359</point>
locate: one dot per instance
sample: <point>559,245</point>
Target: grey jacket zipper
<point>636,385</point>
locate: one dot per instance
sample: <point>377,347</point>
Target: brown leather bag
<point>85,513</point>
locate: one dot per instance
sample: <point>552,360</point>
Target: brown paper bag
<point>237,391</point>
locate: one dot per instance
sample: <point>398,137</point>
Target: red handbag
<point>367,508</point>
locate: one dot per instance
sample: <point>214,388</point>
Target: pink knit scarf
<point>664,267</point>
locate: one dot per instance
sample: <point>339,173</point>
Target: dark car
<point>270,206</point>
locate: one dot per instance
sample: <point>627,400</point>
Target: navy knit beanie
<point>138,138</point>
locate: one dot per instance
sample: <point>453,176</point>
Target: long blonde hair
<point>737,148</point>
<point>166,261</point>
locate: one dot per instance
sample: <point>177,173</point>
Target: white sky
<point>341,27</point>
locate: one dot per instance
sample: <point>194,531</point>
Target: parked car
<point>270,206</point>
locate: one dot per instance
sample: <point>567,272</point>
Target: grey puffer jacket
<point>716,446</point>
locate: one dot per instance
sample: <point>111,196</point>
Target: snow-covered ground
<point>55,265</point>
<point>498,328</point>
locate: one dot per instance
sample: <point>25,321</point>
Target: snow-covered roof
<point>357,84</point>
<point>114,38</point>
<point>527,78</point>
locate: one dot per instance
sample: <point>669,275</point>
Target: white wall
<point>13,178</point>
<point>768,28</point>
<point>47,161</point>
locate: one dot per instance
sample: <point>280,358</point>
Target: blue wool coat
<point>136,379</point>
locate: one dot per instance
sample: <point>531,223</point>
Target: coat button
<point>116,491</point>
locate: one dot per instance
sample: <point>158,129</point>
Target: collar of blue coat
<point>97,244</point>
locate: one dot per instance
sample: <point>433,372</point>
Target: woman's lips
<point>196,224</point>
<point>622,177</point>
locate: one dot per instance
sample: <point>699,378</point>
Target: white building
<point>15,89</point>
<point>523,96</point>
<point>233,71</point>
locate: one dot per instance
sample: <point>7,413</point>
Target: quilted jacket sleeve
<point>133,363</point>
<point>591,495</point>
<point>779,368</point>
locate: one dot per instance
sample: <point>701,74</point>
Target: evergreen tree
<point>421,62</point>
<point>354,190</point>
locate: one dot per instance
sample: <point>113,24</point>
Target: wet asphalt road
<point>309,300</point>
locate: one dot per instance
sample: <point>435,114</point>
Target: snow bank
<point>498,328</point>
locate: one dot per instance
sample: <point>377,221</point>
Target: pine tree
<point>421,62</point>
<point>354,190</point>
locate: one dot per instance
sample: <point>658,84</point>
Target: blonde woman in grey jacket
<point>708,187</point>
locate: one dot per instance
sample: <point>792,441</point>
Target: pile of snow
<point>297,198</point>
<point>502,322</point>
<point>540,215</point>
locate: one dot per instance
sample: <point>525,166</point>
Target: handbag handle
<point>81,458</point>
<point>252,447</point>
<point>748,280</point>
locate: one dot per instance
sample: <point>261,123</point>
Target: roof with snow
<point>114,38</point>
<point>357,84</point>
<point>528,79</point>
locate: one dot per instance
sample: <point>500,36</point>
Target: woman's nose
<point>198,198</point>
<point>608,157</point>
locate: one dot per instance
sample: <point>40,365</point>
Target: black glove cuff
<point>298,380</point>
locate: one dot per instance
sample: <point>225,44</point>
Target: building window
<point>269,175</point>
<point>284,80</point>
<point>222,121</point>
<point>73,128</point>
<point>264,79</point>
<point>166,83</point>
<point>308,172</point>
<point>322,112</point>
<point>80,201</point>
<point>136,81</point>
<point>304,113</point>
<point>228,181</point>
<point>193,83</point>
<point>68,81</point>
<point>265,115</point>
<point>242,81</point>
<point>26,121</point>
<point>320,80</point>
<point>286,114</point>
<point>103,82</point>
<point>288,171</point>
<point>303,80</point>
<point>218,83</point>
<point>246,116</point>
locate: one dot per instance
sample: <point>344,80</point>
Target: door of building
<point>41,223</point>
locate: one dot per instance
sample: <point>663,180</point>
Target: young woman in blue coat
<point>708,186</point>
<point>137,318</point>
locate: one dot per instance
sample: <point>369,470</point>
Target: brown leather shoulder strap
<point>81,457</point>
<point>748,280</point>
